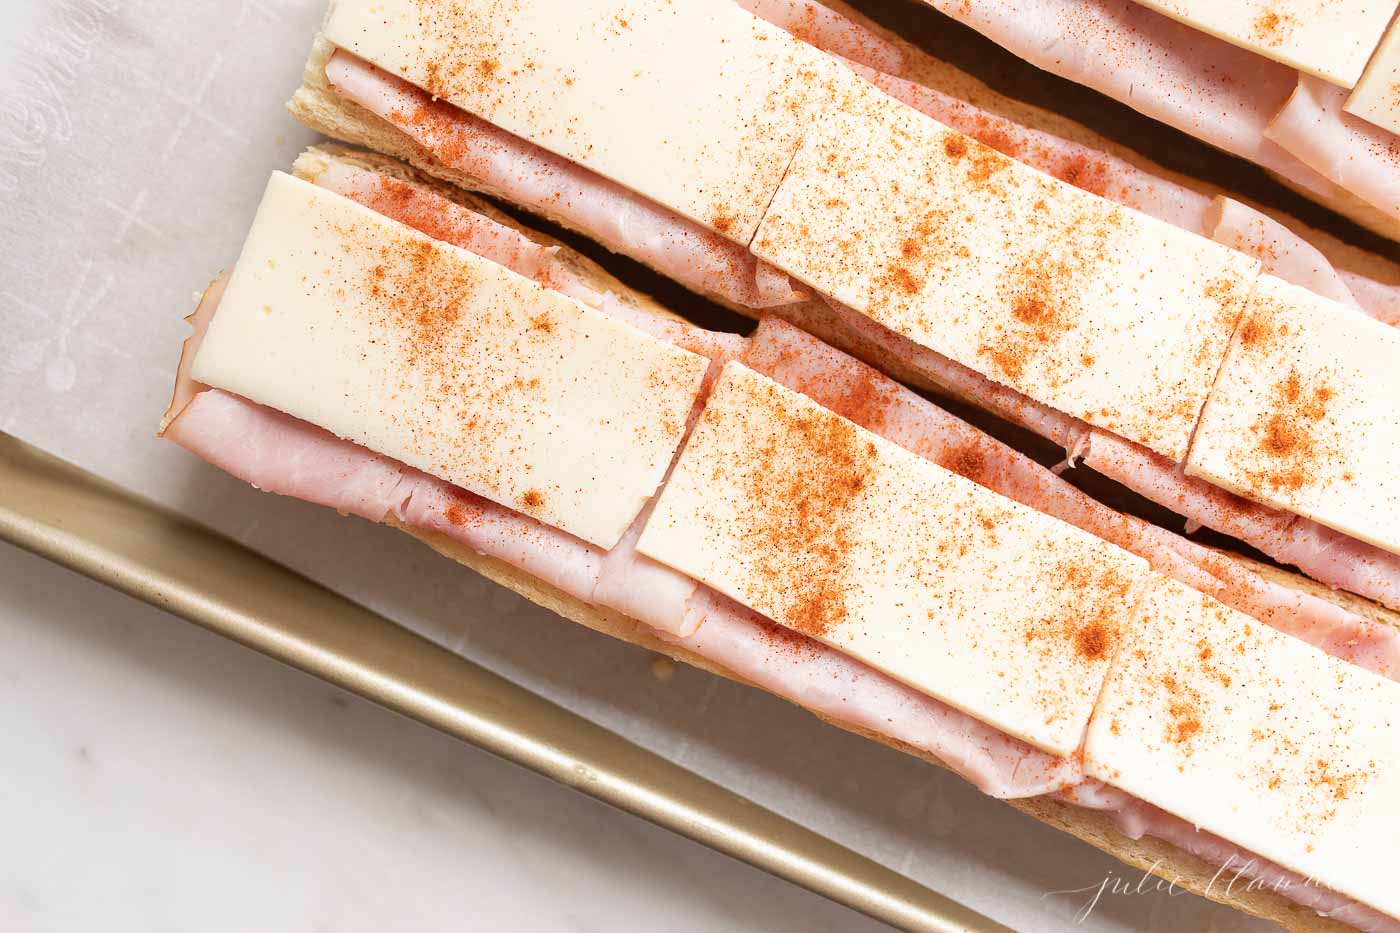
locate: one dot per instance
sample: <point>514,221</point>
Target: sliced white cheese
<point>828,529</point>
<point>696,105</point>
<point>1306,414</point>
<point>1257,737</point>
<point>448,362</point>
<point>1089,307</point>
<point>1377,95</point>
<point>1328,38</point>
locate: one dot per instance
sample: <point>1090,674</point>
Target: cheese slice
<point>1306,414</point>
<point>696,105</point>
<point>1089,307</point>
<point>1377,95</point>
<point>830,530</point>
<point>1328,38</point>
<point>1257,737</point>
<point>448,362</point>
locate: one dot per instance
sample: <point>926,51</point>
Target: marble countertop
<point>161,778</point>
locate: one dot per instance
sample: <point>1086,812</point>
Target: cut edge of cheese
<point>992,607</point>
<point>448,362</point>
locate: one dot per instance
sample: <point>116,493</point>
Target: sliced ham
<point>540,181</point>
<point>1326,555</point>
<point>1164,69</point>
<point>281,454</point>
<point>432,214</point>
<point>830,31</point>
<point>1351,152</point>
<point>836,686</point>
<point>443,219</point>
<point>1230,97</point>
<point>1283,252</point>
<point>643,589</point>
<point>1320,552</point>
<point>1379,300</point>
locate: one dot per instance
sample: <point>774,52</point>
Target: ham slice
<point>838,687</point>
<point>1164,69</point>
<point>1283,252</point>
<point>1318,551</point>
<point>281,454</point>
<point>1080,165</point>
<point>1379,300</point>
<point>432,214</point>
<point>1326,555</point>
<point>1289,123</point>
<point>830,31</point>
<point>1353,153</point>
<point>287,456</point>
<point>540,181</point>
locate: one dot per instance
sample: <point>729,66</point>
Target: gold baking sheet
<point>69,516</point>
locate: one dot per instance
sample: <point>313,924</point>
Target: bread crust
<point>1094,828</point>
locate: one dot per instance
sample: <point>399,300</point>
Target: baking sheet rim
<point>69,516</point>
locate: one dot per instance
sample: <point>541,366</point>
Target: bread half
<point>1147,854</point>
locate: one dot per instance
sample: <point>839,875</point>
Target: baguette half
<point>1148,854</point>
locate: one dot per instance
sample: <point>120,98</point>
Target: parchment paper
<point>135,139</point>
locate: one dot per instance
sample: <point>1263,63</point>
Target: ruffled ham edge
<point>1289,123</point>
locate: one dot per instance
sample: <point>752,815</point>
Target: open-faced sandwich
<point>776,510</point>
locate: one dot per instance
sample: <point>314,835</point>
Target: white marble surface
<point>159,778</point>
<point>156,778</point>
